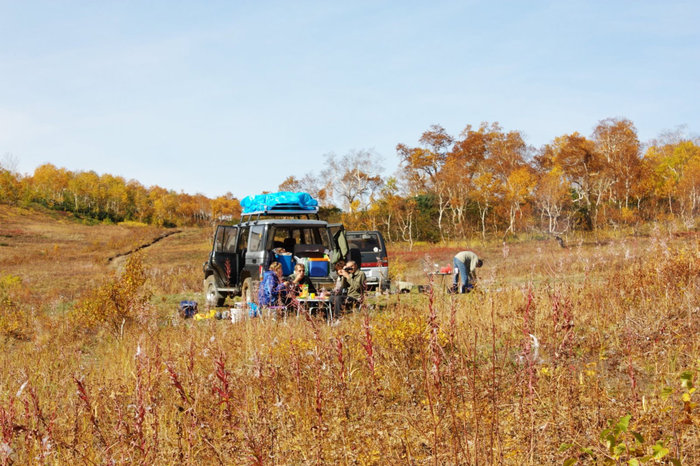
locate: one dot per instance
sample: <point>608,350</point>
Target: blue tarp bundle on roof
<point>283,200</point>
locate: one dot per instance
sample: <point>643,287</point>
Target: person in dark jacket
<point>299,281</point>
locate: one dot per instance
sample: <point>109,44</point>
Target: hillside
<point>411,379</point>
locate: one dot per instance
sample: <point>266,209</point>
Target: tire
<point>211,292</point>
<point>247,291</point>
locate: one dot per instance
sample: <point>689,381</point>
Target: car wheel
<point>213,296</point>
<point>247,290</point>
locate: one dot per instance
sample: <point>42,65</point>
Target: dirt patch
<point>143,246</point>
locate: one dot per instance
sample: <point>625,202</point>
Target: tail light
<point>384,262</point>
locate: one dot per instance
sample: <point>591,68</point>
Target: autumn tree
<point>139,205</point>
<point>422,167</point>
<point>584,169</point>
<point>466,179</point>
<point>506,157</point>
<point>353,179</point>
<point>615,141</point>
<point>225,207</point>
<point>309,183</point>
<point>675,167</point>
<point>50,185</point>
<point>164,204</point>
<point>423,163</point>
<point>552,193</point>
<point>10,181</point>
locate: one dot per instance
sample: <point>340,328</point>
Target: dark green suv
<point>241,253</point>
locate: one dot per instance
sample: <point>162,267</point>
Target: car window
<point>364,242</point>
<point>230,240</point>
<point>256,234</point>
<point>282,235</point>
<point>243,239</point>
<point>225,240</point>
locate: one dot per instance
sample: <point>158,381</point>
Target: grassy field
<point>580,355</point>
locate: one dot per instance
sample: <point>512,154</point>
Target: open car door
<point>224,258</point>
<point>339,242</point>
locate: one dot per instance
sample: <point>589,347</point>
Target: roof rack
<point>283,203</point>
<point>280,210</point>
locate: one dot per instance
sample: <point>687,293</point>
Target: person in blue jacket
<point>272,289</point>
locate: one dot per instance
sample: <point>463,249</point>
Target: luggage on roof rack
<point>280,203</point>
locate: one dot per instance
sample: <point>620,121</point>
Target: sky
<point>217,97</point>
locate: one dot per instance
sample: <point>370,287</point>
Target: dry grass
<point>413,379</point>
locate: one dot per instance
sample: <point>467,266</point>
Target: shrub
<point>15,320</point>
<point>119,301</point>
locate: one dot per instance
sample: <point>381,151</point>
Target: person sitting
<point>272,291</point>
<point>299,281</point>
<point>338,287</point>
<point>354,282</point>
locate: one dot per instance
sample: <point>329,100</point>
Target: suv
<point>241,253</point>
<point>372,257</point>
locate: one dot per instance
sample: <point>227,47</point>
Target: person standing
<point>354,281</point>
<point>466,263</point>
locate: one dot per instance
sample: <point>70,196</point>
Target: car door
<point>338,242</point>
<point>225,259</point>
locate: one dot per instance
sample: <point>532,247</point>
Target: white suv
<point>367,248</point>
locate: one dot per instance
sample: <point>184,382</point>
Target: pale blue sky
<point>235,96</point>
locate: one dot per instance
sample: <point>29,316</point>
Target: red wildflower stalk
<point>140,405</point>
<point>368,345</point>
<point>223,390</point>
<point>83,395</point>
<point>630,367</point>
<point>341,376</point>
<point>296,368</point>
<point>527,343</point>
<point>435,349</point>
<point>175,381</point>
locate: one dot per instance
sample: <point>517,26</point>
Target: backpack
<point>187,309</point>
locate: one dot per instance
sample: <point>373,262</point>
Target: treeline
<point>489,181</point>
<point>484,181</point>
<point>112,198</point>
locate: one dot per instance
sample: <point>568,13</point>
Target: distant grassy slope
<point>56,255</point>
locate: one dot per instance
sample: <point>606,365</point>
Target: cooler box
<point>318,267</point>
<point>286,261</point>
